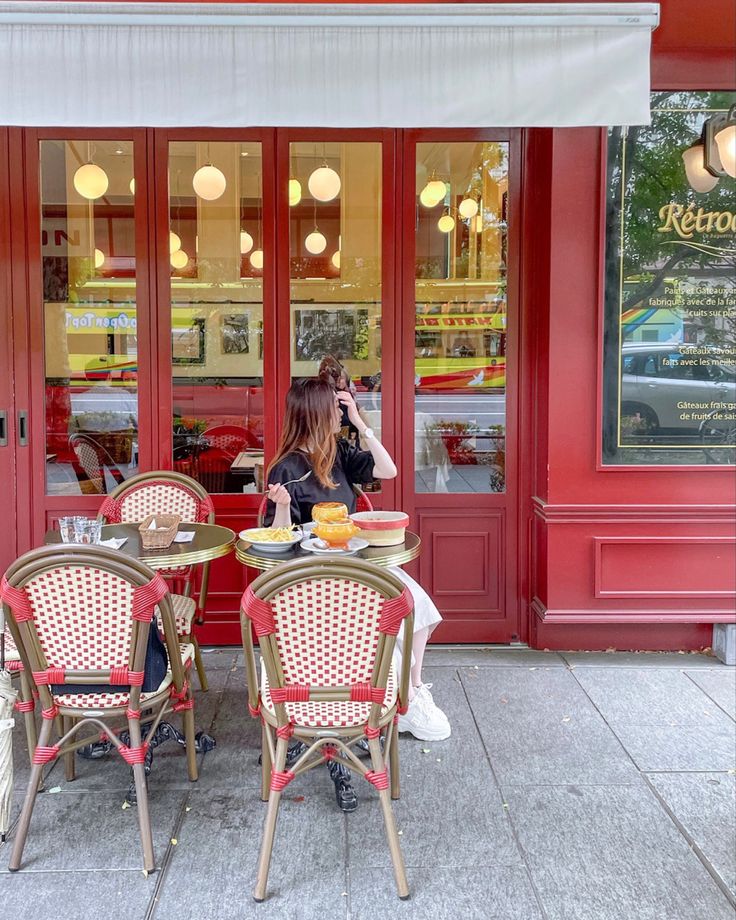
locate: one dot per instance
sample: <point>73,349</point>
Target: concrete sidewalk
<point>584,785</point>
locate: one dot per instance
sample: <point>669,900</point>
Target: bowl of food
<point>271,539</point>
<point>381,528</point>
<point>336,534</point>
<point>329,511</point>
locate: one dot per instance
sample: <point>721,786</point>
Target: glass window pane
<point>335,266</point>
<point>460,328</point>
<point>89,294</point>
<point>216,255</point>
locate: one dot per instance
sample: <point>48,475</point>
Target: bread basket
<point>164,532</point>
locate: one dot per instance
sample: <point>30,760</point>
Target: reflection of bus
<point>454,351</point>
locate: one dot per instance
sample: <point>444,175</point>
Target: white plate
<point>297,536</point>
<point>315,545</point>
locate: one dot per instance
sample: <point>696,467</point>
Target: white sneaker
<point>424,719</point>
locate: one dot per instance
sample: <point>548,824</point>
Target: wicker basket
<point>163,536</point>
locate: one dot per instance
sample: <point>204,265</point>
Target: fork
<point>292,481</point>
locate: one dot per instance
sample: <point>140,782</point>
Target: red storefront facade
<point>572,552</point>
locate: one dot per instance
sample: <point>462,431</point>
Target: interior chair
<point>90,462</point>
<point>168,492</point>
<point>81,616</point>
<point>223,444</point>
<point>362,503</point>
<point>327,631</point>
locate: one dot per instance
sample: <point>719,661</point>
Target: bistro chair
<point>81,616</point>
<point>327,631</point>
<point>223,443</point>
<point>167,492</point>
<point>363,503</point>
<point>90,462</point>
<point>26,704</point>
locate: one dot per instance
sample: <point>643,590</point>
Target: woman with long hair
<point>309,442</point>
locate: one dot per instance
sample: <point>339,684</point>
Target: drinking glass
<point>87,530</point>
<point>66,527</point>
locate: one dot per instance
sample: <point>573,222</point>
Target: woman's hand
<point>346,399</point>
<point>279,494</point>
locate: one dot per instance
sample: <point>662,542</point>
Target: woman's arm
<point>282,499</point>
<point>384,467</point>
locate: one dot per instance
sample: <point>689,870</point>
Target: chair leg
<point>29,718</point>
<point>265,763</point>
<point>189,734</point>
<point>141,792</point>
<point>199,664</point>
<point>70,773</point>
<point>393,759</point>
<point>269,828</point>
<point>30,800</point>
<point>392,836</point>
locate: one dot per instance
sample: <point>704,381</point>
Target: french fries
<point>271,534</point>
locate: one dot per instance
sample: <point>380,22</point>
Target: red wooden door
<point>7,395</point>
<point>459,362</point>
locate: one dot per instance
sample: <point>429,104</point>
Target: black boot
<point>347,800</point>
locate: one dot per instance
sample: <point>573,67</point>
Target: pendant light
<point>174,242</point>
<point>433,192</point>
<point>246,242</point>
<point>427,198</point>
<point>256,259</point>
<point>295,192</point>
<point>209,182</point>
<point>324,183</point>
<point>256,256</point>
<point>315,242</point>
<point>179,259</point>
<point>99,258</point>
<point>336,259</point>
<point>446,223</point>
<point>90,180</point>
<point>697,175</point>
<point>131,186</point>
<point>468,208</point>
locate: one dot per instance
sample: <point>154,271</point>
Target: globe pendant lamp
<point>697,175</point>
<point>324,184</point>
<point>131,186</point>
<point>179,259</point>
<point>246,242</point>
<point>427,199</point>
<point>725,139</point>
<point>91,181</point>
<point>209,182</point>
<point>336,259</point>
<point>99,258</point>
<point>446,223</point>
<point>174,242</point>
<point>295,192</point>
<point>437,188</point>
<point>468,207</point>
<point>315,242</point>
<point>256,259</point>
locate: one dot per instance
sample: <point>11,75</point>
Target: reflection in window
<point>335,264</point>
<point>217,259</point>
<point>90,320</point>
<point>460,326</point>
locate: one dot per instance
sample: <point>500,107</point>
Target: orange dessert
<point>329,511</point>
<point>336,533</point>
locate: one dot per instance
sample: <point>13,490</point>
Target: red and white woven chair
<point>167,492</point>
<point>81,615</point>
<point>362,503</point>
<point>327,631</point>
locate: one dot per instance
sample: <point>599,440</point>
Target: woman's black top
<point>352,467</point>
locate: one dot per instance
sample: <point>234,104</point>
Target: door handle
<point>3,428</point>
<point>23,429</point>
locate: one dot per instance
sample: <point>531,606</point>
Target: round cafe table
<point>379,555</point>
<point>210,542</point>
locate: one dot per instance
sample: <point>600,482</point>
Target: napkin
<point>113,542</point>
<point>184,536</point>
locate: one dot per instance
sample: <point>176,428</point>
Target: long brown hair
<point>309,426</point>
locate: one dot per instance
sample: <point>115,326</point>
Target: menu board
<point>669,372</point>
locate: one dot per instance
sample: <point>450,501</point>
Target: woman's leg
<point>418,647</point>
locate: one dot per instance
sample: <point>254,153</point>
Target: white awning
<point>337,65</point>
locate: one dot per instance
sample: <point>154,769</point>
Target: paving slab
<point>720,687</point>
<point>123,895</point>
<point>663,719</point>
<point>538,726</point>
<point>212,869</point>
<point>611,852</point>
<point>491,657</point>
<point>679,660</point>
<point>705,805</point>
<point>481,893</point>
<point>92,831</point>
<point>450,811</point>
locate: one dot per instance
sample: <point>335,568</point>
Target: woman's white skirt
<point>426,613</point>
